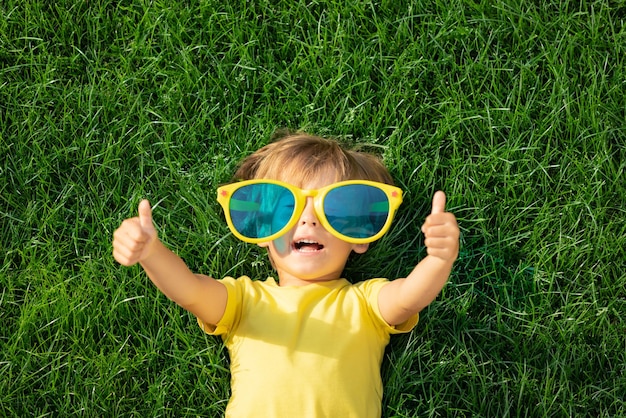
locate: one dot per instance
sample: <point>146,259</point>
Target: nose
<point>308,216</point>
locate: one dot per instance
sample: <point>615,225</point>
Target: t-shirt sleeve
<point>371,288</point>
<point>232,312</point>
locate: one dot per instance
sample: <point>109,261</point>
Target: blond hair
<point>295,157</point>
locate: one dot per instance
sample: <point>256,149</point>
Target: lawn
<point>516,110</point>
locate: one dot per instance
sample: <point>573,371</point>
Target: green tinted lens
<point>261,210</point>
<point>357,210</point>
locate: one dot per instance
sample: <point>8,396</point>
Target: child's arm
<point>136,241</point>
<point>402,298</point>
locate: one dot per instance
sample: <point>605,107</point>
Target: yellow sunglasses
<point>356,211</point>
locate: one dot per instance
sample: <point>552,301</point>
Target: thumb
<point>145,214</point>
<point>439,202</point>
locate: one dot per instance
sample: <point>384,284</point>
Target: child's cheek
<point>281,245</point>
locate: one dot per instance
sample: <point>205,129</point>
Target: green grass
<point>516,110</point>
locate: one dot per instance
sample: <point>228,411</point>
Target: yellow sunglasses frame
<point>394,195</point>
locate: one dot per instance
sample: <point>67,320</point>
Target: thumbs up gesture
<point>441,231</point>
<point>133,240</point>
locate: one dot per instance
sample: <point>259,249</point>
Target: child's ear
<point>360,248</point>
<point>264,244</point>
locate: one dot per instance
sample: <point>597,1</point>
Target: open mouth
<point>307,246</point>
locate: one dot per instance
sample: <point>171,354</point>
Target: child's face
<point>308,253</point>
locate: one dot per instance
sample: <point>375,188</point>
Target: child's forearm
<point>424,283</point>
<point>201,295</point>
<point>402,298</point>
<point>169,273</point>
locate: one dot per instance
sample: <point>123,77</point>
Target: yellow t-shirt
<point>311,351</point>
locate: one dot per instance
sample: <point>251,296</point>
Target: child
<point>310,344</point>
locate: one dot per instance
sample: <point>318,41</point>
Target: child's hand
<point>134,240</point>
<point>441,231</point>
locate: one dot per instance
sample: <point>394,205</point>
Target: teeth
<point>307,245</point>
